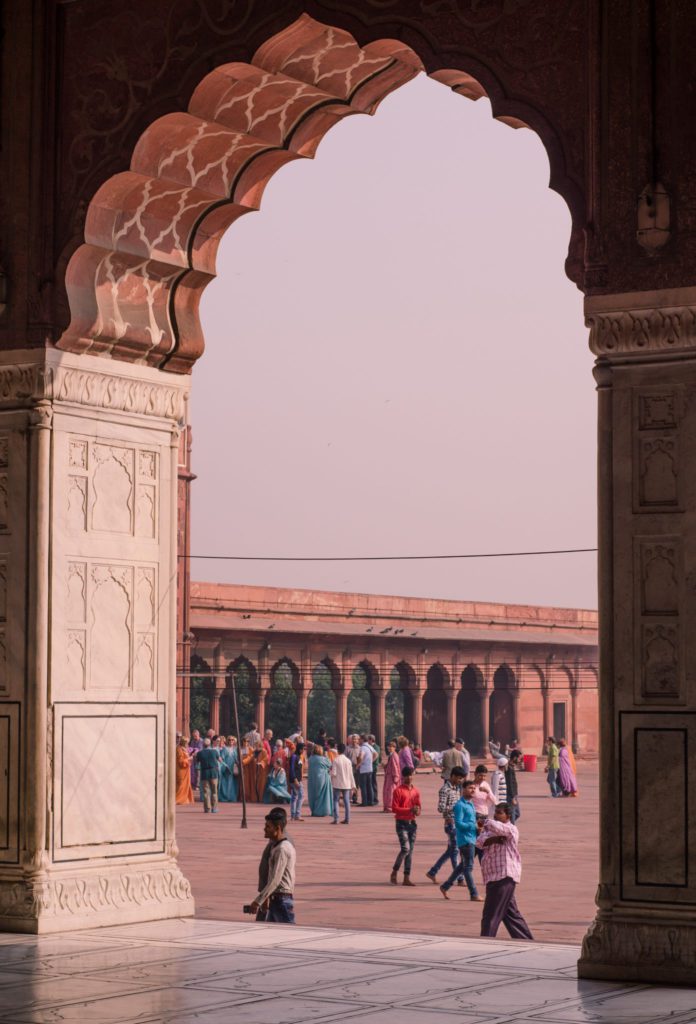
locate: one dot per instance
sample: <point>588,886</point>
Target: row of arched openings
<point>282,712</point>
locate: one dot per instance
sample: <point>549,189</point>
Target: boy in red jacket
<point>406,806</point>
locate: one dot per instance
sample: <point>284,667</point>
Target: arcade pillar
<point>645,927</point>
<point>88,617</point>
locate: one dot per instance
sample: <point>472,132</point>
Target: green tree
<point>281,703</point>
<point>321,707</point>
<point>359,703</point>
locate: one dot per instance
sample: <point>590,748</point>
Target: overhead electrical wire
<point>388,558</point>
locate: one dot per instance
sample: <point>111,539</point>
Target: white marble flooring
<point>175,972</point>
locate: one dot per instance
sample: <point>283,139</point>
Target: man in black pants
<point>501,868</point>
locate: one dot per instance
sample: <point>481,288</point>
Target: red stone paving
<point>343,872</point>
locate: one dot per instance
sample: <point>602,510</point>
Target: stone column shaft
<point>451,713</point>
<point>341,714</point>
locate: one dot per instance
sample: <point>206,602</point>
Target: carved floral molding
<point>28,384</point>
<point>85,895</point>
<point>642,322</point>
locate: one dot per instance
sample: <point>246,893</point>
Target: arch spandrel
<point>152,232</point>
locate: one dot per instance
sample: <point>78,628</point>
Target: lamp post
<point>239,741</point>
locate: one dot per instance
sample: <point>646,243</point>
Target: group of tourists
<point>560,768</point>
<point>324,773</point>
<point>465,804</point>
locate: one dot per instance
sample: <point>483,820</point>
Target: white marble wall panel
<point>109,778</point>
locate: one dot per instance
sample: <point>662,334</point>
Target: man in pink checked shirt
<point>501,868</point>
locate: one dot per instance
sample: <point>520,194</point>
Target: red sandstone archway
<point>152,232</point>
<point>435,708</point>
<point>502,706</point>
<point>469,710</point>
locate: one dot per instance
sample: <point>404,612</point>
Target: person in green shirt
<point>552,766</point>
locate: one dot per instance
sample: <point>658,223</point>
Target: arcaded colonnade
<point>454,668</point>
<point>139,133</point>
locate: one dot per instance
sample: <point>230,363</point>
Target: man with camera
<point>274,902</point>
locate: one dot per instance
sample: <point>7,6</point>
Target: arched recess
<point>245,681</point>
<point>152,232</point>
<point>201,690</point>
<point>434,729</point>
<point>321,704</point>
<point>403,680</point>
<point>359,702</point>
<point>469,710</point>
<point>502,706</point>
<point>587,697</point>
<point>281,703</point>
<point>561,682</point>
<point>530,724</point>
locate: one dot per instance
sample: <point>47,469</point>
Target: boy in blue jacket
<point>464,814</point>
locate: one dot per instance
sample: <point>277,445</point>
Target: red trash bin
<point>530,761</point>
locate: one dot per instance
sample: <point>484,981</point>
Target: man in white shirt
<point>353,755</point>
<point>275,896</point>
<point>365,762</point>
<point>343,783</point>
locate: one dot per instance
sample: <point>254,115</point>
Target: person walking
<point>353,755</point>
<point>295,782</point>
<point>342,781</point>
<point>497,783</point>
<point>464,815</point>
<point>501,867</point>
<point>275,898</point>
<point>552,767</point>
<point>512,788</point>
<point>184,792</point>
<point>365,765</point>
<point>452,757</point>
<point>406,807</point>
<point>449,792</point>
<point>405,755</point>
<point>319,787</point>
<point>566,770</point>
<point>392,777</point>
<point>208,759</point>
<point>376,750</point>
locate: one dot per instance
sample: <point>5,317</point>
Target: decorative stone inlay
<point>94,893</point>
<point>636,323</point>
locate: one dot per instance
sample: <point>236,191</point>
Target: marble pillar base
<point>643,946</point>
<point>94,897</point>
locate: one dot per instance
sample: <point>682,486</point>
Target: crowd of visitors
<point>479,812</point>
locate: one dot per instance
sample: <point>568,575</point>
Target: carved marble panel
<point>661,661</point>
<point>660,576</point>
<point>112,485</point>
<point>113,753</point>
<point>77,503</point>
<point>657,408</point>
<point>655,750</point>
<point>9,782</point>
<point>145,511</point>
<point>78,454</point>
<point>110,629</point>
<point>658,473</point>
<point>76,597</point>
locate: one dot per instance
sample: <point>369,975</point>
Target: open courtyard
<point>343,872</point>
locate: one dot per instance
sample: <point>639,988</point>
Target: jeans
<point>406,833</point>
<point>451,853</point>
<point>366,794</point>
<point>281,909</point>
<point>375,791</point>
<point>296,799</point>
<point>552,779</point>
<point>210,793</point>
<point>337,794</point>
<point>515,811</point>
<point>466,868</point>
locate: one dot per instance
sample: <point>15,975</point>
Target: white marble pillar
<point>88,481</point>
<point>645,928</point>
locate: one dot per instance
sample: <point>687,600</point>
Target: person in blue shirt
<point>464,814</point>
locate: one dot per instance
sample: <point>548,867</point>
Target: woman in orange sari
<point>262,769</point>
<point>249,769</point>
<point>184,793</point>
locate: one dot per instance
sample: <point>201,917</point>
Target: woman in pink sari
<point>566,770</point>
<point>392,777</point>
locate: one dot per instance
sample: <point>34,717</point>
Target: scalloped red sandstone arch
<point>152,232</point>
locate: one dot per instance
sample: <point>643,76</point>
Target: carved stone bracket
<point>637,324</point>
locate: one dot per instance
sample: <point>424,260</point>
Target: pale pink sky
<point>396,363</point>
